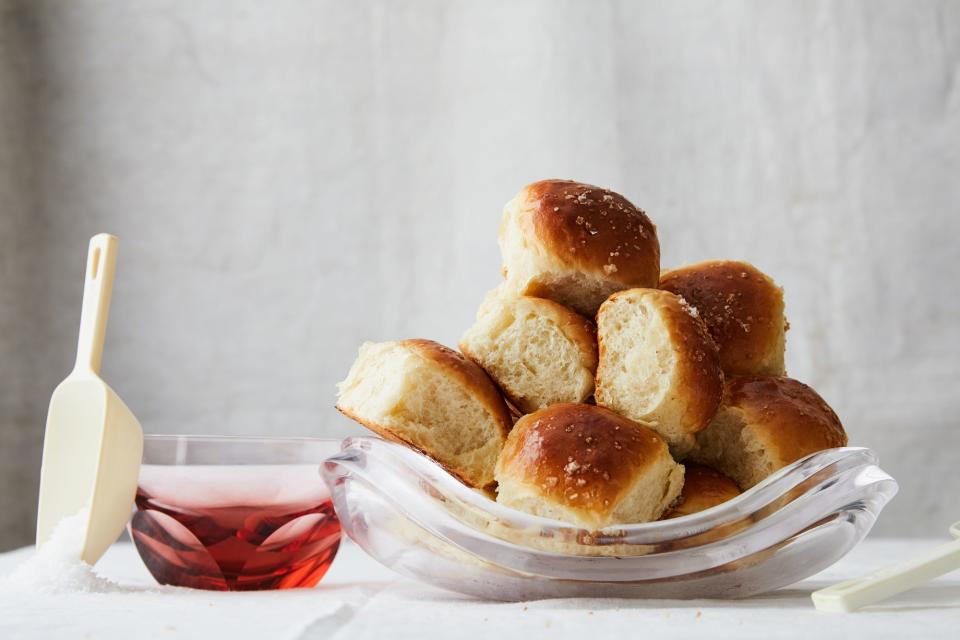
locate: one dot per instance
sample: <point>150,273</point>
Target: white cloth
<point>360,599</point>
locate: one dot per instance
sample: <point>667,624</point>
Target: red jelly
<point>235,528</point>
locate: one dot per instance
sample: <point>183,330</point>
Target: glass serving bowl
<point>411,515</point>
<point>233,513</point>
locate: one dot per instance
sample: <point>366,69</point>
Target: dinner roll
<point>764,424</point>
<point>703,487</point>
<point>421,393</point>
<point>743,309</point>
<point>576,244</point>
<point>658,364</point>
<point>538,351</point>
<point>588,466</point>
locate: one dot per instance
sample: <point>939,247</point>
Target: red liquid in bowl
<point>235,528</point>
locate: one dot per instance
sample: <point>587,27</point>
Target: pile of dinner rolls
<point>594,388</point>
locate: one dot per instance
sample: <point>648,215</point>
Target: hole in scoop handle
<point>887,582</point>
<point>97,288</point>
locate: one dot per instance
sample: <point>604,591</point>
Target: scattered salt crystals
<point>56,567</point>
<point>689,308</point>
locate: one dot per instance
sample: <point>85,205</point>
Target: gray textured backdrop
<point>291,178</point>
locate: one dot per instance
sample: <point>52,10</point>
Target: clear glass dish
<point>232,513</point>
<point>412,516</point>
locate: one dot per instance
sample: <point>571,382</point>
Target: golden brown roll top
<point>789,416</point>
<point>703,488</point>
<point>743,310</point>
<point>765,423</point>
<point>423,394</point>
<point>588,466</point>
<point>658,364</point>
<point>576,244</point>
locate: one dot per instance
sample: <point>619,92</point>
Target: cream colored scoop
<point>885,583</point>
<point>93,443</point>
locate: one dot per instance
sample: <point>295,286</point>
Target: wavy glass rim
<point>790,501</point>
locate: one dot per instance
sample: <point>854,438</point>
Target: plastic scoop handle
<point>97,290</point>
<point>882,584</point>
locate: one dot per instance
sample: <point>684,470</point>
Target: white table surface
<point>360,599</point>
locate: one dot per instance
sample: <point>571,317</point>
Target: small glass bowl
<point>411,515</point>
<point>234,513</point>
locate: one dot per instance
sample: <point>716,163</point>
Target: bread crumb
<point>609,269</point>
